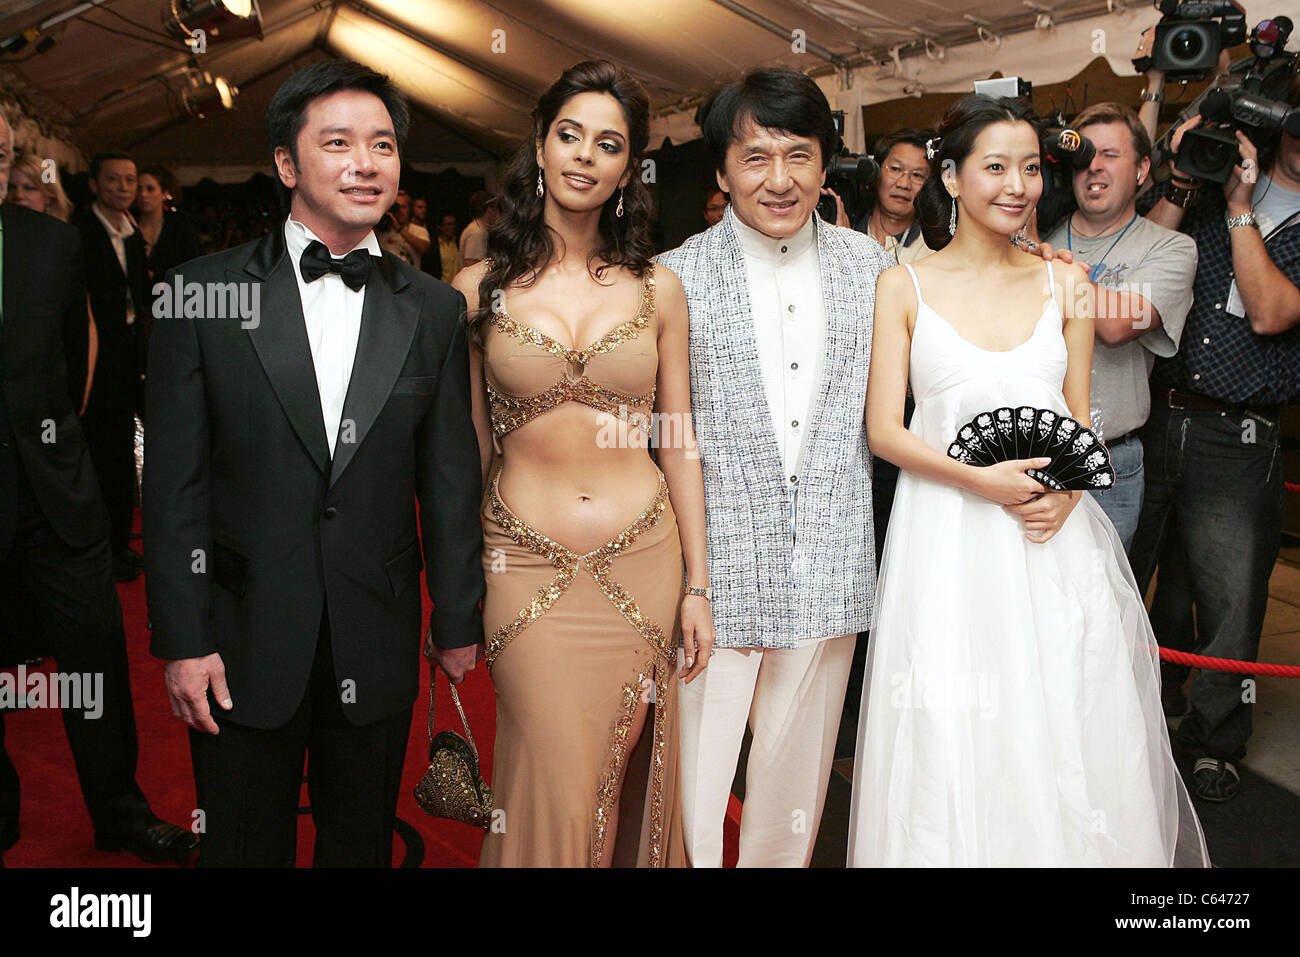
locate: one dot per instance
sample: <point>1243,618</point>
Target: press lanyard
<point>1069,244</point>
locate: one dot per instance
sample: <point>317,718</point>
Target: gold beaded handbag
<point>453,787</point>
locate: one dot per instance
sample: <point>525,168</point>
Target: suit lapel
<point>105,241</point>
<point>388,322</point>
<point>280,339</point>
<point>755,416</point>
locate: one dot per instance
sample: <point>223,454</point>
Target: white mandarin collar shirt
<point>789,314</point>
<point>332,313</point>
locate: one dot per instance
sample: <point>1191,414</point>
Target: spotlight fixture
<point>207,95</point>
<point>214,20</point>
<point>13,44</point>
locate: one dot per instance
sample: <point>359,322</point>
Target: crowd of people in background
<point>1170,357</point>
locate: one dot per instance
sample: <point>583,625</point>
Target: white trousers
<point>792,699</point>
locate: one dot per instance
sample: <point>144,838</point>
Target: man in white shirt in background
<point>473,241</point>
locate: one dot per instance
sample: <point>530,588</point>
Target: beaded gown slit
<point>577,643</point>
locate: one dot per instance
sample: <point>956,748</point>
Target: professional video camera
<point>1190,36</point>
<point>1251,98</point>
<point>850,175</point>
<point>1065,152</point>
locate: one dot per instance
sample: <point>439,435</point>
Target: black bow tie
<point>354,267</point>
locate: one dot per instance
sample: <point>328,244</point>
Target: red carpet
<point>56,829</point>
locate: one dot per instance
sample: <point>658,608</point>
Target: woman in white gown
<point>1012,708</point>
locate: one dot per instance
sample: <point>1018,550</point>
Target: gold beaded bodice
<point>528,373</point>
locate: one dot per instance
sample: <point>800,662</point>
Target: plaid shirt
<point>1220,355</point>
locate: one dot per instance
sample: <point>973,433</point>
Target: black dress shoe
<point>156,842</point>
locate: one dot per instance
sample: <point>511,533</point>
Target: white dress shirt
<point>118,239</point>
<point>332,313</point>
<point>789,314</point>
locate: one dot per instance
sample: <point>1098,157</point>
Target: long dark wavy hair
<point>957,131</point>
<point>520,244</point>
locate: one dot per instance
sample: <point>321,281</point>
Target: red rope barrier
<point>1292,486</point>
<point>1229,664</point>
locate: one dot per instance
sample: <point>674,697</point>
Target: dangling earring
<point>952,220</point>
<point>540,188</point>
<point>618,211</point>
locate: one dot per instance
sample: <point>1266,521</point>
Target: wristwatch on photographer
<point>706,592</point>
<point>1245,219</point>
<point>1148,97</point>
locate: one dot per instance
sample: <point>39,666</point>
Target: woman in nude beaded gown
<point>580,343</point>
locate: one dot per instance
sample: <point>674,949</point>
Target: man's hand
<point>1145,47</point>
<point>188,680</point>
<point>1240,187</point>
<point>455,662</point>
<point>841,217</point>
<point>1060,255</point>
<point>1190,123</point>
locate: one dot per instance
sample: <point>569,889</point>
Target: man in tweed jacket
<point>780,343</point>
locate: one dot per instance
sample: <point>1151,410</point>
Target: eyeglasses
<point>919,176</point>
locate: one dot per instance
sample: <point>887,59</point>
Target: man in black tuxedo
<point>55,566</point>
<point>287,448</point>
<point>117,277</point>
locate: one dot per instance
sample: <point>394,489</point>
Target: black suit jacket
<point>120,359</point>
<point>252,532</point>
<point>43,332</point>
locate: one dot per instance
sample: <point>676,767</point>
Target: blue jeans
<point>1122,502</point>
<point>1213,512</point>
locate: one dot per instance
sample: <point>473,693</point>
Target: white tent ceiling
<point>473,68</point>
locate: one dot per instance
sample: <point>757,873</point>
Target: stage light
<point>206,95</point>
<point>214,20</point>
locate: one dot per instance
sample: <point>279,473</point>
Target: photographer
<point>890,218</point>
<point>1142,277</point>
<point>1213,464</point>
<point>394,231</point>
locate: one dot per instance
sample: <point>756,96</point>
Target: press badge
<point>1234,306</point>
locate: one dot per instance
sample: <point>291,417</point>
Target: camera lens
<point>1186,45</point>
<point>1211,154</point>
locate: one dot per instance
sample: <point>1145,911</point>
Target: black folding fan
<point>1079,460</point>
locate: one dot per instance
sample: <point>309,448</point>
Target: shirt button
<point>794,424</point>
<point>794,480</point>
<point>331,511</point>
<point>1218,305</point>
<point>784,248</point>
<point>790,308</point>
<point>1206,340</point>
<point>1197,376</point>
<point>794,365</point>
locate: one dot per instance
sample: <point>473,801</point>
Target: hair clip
<point>931,147</point>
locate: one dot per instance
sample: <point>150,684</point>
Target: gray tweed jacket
<point>786,561</point>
